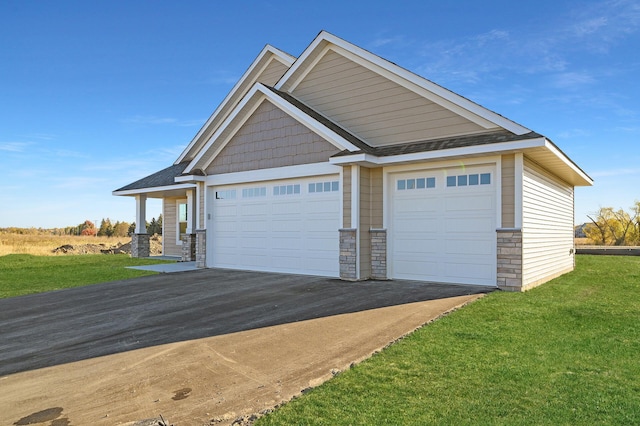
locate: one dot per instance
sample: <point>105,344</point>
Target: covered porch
<point>182,208</point>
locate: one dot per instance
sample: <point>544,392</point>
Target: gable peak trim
<point>268,50</point>
<point>254,98</point>
<point>436,93</point>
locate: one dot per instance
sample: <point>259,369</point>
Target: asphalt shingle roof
<point>446,143</point>
<point>164,177</point>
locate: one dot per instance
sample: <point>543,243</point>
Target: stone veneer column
<point>140,245</point>
<point>201,248</point>
<point>348,254</point>
<point>188,247</point>
<point>510,259</point>
<point>378,254</point>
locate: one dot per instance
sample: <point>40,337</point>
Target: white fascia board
<point>190,179</point>
<point>440,154</point>
<point>140,191</point>
<point>355,158</point>
<point>396,73</point>
<point>248,97</point>
<point>288,172</point>
<point>313,125</point>
<point>551,147</point>
<point>301,59</point>
<point>257,93</point>
<point>278,54</point>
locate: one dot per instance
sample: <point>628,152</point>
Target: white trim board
<point>401,76</point>
<point>252,101</point>
<point>154,189</point>
<point>288,172</point>
<point>277,54</point>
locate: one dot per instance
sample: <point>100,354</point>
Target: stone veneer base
<point>509,250</point>
<point>140,245</point>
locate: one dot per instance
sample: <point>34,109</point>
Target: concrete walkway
<point>167,268</point>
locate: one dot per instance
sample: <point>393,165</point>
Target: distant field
<point>43,245</point>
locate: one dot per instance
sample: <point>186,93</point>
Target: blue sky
<point>95,95</point>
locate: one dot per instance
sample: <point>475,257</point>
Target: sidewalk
<point>168,268</point>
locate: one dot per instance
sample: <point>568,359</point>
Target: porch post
<point>140,240</point>
<point>141,214</point>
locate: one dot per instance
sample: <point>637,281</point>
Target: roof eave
<point>154,192</point>
<point>565,168</point>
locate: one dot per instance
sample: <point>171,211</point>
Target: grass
<point>25,274</point>
<point>564,353</point>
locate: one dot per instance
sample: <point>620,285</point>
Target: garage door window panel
<point>290,189</point>
<point>418,183</point>
<point>328,186</point>
<point>469,180</point>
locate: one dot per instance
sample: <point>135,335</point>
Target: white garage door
<point>278,226</point>
<point>443,225</point>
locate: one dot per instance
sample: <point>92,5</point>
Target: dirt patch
<point>155,243</point>
<point>50,414</point>
<point>181,394</point>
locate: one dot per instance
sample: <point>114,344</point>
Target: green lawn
<point>24,274</point>
<point>565,353</point>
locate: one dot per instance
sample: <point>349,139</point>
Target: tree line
<point>615,227</point>
<point>106,229</point>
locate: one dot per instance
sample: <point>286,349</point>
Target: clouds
<point>550,48</point>
<point>14,146</point>
<point>160,121</point>
<point>600,25</point>
<point>572,80</point>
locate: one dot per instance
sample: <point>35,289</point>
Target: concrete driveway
<point>211,333</point>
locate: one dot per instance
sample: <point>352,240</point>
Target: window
<point>290,189</point>
<point>182,221</point>
<point>254,192</point>
<point>419,183</point>
<point>469,180</point>
<point>330,186</point>
<point>228,194</point>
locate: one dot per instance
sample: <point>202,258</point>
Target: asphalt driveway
<point>65,326</point>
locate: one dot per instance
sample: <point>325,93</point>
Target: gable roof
<point>438,94</point>
<point>259,93</point>
<point>492,133</point>
<point>258,67</point>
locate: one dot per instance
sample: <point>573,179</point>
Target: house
<point>340,163</point>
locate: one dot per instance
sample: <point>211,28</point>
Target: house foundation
<point>348,254</point>
<point>140,245</point>
<point>378,254</point>
<point>188,247</point>
<point>201,248</point>
<point>509,263</point>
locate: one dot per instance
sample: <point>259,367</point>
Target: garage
<point>279,226</point>
<point>443,225</point>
